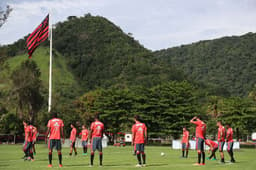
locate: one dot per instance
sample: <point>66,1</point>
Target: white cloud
<point>156,24</point>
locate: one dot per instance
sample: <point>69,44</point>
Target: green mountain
<point>226,64</point>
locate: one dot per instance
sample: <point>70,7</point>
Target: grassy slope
<point>61,75</point>
<point>121,159</point>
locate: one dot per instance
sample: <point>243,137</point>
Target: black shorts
<point>185,146</point>
<point>221,145</point>
<point>54,143</point>
<point>96,144</point>
<point>230,146</point>
<point>200,144</point>
<point>140,147</point>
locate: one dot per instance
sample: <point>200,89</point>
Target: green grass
<point>120,159</point>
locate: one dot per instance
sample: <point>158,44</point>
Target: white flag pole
<point>50,67</point>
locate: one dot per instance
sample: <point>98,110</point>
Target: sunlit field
<point>121,158</point>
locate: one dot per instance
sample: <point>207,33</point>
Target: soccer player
<point>221,140</point>
<point>25,125</point>
<point>72,140</point>
<point>213,148</point>
<point>95,136</point>
<point>27,148</point>
<point>200,137</point>
<point>55,128</point>
<point>139,136</point>
<point>84,136</point>
<point>229,139</point>
<point>185,142</point>
<point>35,134</point>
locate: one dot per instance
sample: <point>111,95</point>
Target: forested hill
<point>227,64</point>
<point>100,54</point>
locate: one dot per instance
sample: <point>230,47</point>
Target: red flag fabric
<point>39,35</point>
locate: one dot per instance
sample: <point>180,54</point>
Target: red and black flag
<point>39,35</point>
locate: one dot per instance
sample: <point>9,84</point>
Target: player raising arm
<point>200,137</point>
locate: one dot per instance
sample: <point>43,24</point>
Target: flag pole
<point>50,67</point>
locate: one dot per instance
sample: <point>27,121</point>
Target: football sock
<point>92,157</point>
<point>60,158</point>
<point>186,154</point>
<point>139,158</point>
<point>101,158</point>
<point>199,158</point>
<point>182,153</point>
<point>50,157</point>
<point>144,158</point>
<point>203,157</point>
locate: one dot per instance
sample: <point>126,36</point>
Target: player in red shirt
<point>95,136</point>
<point>200,137</point>
<point>84,138</point>
<point>229,140</point>
<point>73,139</point>
<point>139,136</point>
<point>35,134</point>
<point>55,128</point>
<point>213,147</point>
<point>221,140</point>
<point>27,148</point>
<point>185,142</point>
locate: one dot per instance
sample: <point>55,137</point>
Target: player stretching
<point>185,142</point>
<point>230,142</point>
<point>55,128</point>
<point>96,134</point>
<point>72,140</point>
<point>200,137</point>
<point>221,140</point>
<point>28,142</point>
<point>84,136</point>
<point>139,136</point>
<point>35,134</point>
<point>213,147</point>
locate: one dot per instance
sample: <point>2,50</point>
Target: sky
<point>156,24</point>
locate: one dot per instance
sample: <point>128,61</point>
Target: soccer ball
<point>162,154</point>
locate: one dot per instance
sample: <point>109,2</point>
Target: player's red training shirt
<point>221,134</point>
<point>138,130</point>
<point>55,125</point>
<point>185,137</point>
<point>97,128</point>
<point>35,134</point>
<point>73,135</point>
<point>84,134</point>
<point>211,143</point>
<point>29,133</point>
<point>230,135</point>
<point>200,129</point>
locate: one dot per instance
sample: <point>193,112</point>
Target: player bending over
<point>139,136</point>
<point>27,148</point>
<point>213,147</point>
<point>95,136</point>
<point>55,128</point>
<point>72,140</point>
<point>200,137</point>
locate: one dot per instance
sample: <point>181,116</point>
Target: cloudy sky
<point>156,24</point>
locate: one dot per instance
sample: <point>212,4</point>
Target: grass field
<point>120,158</point>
